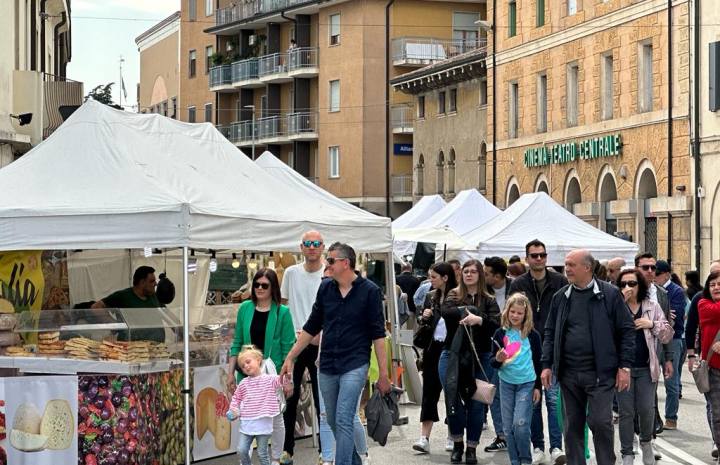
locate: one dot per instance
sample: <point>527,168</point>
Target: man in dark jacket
<point>539,285</point>
<point>409,285</point>
<point>588,369</point>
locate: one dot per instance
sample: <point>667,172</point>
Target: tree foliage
<point>102,94</point>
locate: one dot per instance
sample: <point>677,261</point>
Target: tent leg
<point>393,313</point>
<point>186,353</point>
<point>444,252</point>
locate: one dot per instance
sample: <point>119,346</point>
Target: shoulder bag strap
<point>710,351</point>
<point>472,345</point>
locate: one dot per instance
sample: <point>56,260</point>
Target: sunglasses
<point>315,244</point>
<point>648,267</point>
<point>628,284</point>
<point>259,285</point>
<point>331,260</point>
<point>538,255</point>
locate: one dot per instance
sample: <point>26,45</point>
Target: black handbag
<point>423,336</point>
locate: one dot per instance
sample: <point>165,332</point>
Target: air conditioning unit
<point>252,39</point>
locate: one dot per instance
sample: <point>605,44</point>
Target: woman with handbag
<point>430,337</point>
<point>263,322</point>
<point>518,362</point>
<point>709,313</point>
<point>471,306</point>
<point>651,329</point>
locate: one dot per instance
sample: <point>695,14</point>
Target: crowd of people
<point>597,337</point>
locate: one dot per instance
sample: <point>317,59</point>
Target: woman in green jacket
<point>263,322</point>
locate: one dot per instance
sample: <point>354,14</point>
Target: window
<point>645,78</point>
<point>192,10</point>
<point>542,103</point>
<point>173,110</point>
<point>421,107</point>
<point>606,87</point>
<point>539,13</point>
<point>572,7</point>
<point>441,103</point>
<point>512,18</point>
<point>334,21</point>
<point>571,113</point>
<point>209,7</point>
<point>191,114</point>
<point>513,110</point>
<point>191,63</point>
<point>208,58</point>
<point>208,112</point>
<point>453,100</point>
<point>465,31</point>
<point>334,96</point>
<point>334,161</point>
<point>483,91</point>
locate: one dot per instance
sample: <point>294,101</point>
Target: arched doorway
<point>451,172</point>
<point>573,194</point>
<point>607,192</point>
<point>513,192</point>
<point>646,188</point>
<point>441,174</point>
<point>420,175</point>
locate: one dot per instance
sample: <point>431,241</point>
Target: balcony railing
<point>245,70</point>
<point>274,63</point>
<point>301,123</point>
<point>301,58</point>
<point>220,75</point>
<point>284,128</point>
<point>246,9</point>
<point>419,51</point>
<point>401,185</point>
<point>401,118</point>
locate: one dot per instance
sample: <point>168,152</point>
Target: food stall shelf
<point>58,365</point>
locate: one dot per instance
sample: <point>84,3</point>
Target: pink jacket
<point>660,333</point>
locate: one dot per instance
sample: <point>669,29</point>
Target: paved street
<point>689,445</point>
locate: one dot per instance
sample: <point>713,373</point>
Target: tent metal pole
<point>393,312</point>
<point>186,353</point>
<point>444,252</point>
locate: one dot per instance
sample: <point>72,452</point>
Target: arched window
<point>441,174</point>
<point>482,160</point>
<point>513,192</point>
<point>451,172</point>
<point>420,176</point>
<point>573,193</point>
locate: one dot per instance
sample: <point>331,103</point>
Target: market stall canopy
<point>109,179</point>
<point>538,216</point>
<point>426,207</point>
<point>467,211</point>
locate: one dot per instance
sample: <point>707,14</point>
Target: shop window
<point>453,100</point>
<point>334,29</point>
<point>512,18</point>
<point>539,13</point>
<point>606,87</point>
<point>542,103</point>
<point>208,112</point>
<point>483,91</point>
<point>334,96</point>
<point>192,10</point>
<point>571,112</point>
<point>513,111</point>
<point>192,63</point>
<point>421,107</point>
<point>645,78</point>
<point>191,114</point>
<point>441,103</point>
<point>334,161</point>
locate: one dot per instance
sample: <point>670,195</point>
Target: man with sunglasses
<point>298,290</point>
<point>349,311</point>
<point>539,284</point>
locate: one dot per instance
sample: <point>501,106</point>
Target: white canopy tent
<point>426,207</point>
<point>108,179</point>
<point>538,216</point>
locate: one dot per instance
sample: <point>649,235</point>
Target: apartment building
<point>196,101</point>
<point>589,102</point>
<point>309,81</point>
<point>159,85</point>
<point>35,95</point>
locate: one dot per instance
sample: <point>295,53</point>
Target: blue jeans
<point>517,406</point>
<point>536,428</point>
<point>244,448</point>
<point>471,414</point>
<point>672,385</point>
<point>341,395</point>
<point>327,440</point>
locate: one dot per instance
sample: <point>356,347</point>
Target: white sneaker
<point>538,456</point>
<point>557,456</point>
<point>449,445</point>
<point>422,445</point>
<point>636,444</point>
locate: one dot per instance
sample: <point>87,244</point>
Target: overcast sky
<point>102,30</point>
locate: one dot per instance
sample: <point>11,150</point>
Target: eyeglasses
<point>331,260</point>
<point>258,285</point>
<point>648,267</point>
<point>628,284</point>
<point>537,255</point>
<point>315,244</point>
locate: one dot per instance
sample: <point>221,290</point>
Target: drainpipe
<point>33,36</point>
<point>494,106</point>
<point>42,36</point>
<point>670,126</point>
<point>56,34</point>
<point>387,107</point>
<point>696,131</point>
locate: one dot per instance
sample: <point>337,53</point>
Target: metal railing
<point>220,75</point>
<point>59,94</point>
<point>246,9</point>
<point>245,70</point>
<point>401,185</point>
<point>401,117</point>
<point>274,63</point>
<point>424,50</point>
<point>272,127</point>
<point>303,122</point>
<point>304,57</point>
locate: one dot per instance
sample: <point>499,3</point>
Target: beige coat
<point>660,333</point>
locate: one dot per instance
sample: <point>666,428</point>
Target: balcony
<point>401,119</point>
<point>401,187</point>
<point>245,73</point>
<point>423,51</point>
<point>221,78</point>
<point>277,129</point>
<point>303,62</point>
<point>302,126</point>
<point>248,9</point>
<point>272,68</point>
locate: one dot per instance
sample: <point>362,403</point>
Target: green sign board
<point>588,149</point>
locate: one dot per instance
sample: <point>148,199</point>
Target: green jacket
<point>279,333</point>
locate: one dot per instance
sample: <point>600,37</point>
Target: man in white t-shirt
<point>298,290</point>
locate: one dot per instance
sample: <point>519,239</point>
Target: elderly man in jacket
<point>588,370</point>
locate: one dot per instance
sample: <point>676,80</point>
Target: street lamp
<point>252,107</point>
